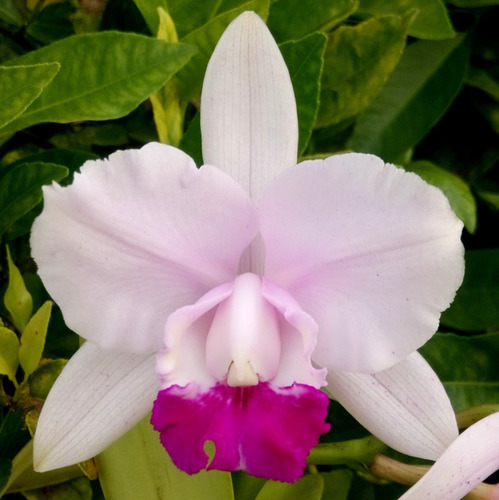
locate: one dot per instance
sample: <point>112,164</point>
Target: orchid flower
<point>230,295</point>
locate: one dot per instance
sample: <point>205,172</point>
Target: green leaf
<point>457,191</point>
<point>358,61</point>
<point>472,376</point>
<point>246,486</point>
<point>13,433</point>
<point>307,488</point>
<point>431,20</point>
<point>17,299</point>
<point>77,489</point>
<point>33,339</point>
<point>9,354</point>
<point>475,307</point>
<point>20,86</point>
<point>294,19</point>
<point>137,466</point>
<point>484,80</point>
<point>20,189</point>
<point>5,470</point>
<point>52,23</point>
<point>418,92</point>
<point>190,15</point>
<point>337,484</point>
<point>149,11</point>
<point>473,3</point>
<point>103,76</point>
<point>190,77</point>
<point>467,394</point>
<point>23,476</point>
<point>304,60</point>
<point>42,379</point>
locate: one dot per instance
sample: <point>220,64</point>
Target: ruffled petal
<point>406,406</point>
<point>134,238</point>
<point>467,462</point>
<point>371,252</point>
<point>248,112</point>
<point>265,432</point>
<point>97,398</point>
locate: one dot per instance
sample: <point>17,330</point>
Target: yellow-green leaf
<point>431,20</point>
<point>9,353</point>
<point>357,63</point>
<point>137,466</point>
<point>17,299</point>
<point>33,339</point>
<point>20,86</point>
<point>307,488</point>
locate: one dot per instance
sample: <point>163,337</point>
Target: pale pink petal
<point>240,333</point>
<point>405,406</point>
<point>468,461</point>
<point>134,238</point>
<point>371,252</point>
<point>266,432</point>
<point>298,340</point>
<point>248,111</point>
<point>98,397</point>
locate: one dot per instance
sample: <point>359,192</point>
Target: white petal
<point>248,111</point>
<point>134,238</point>
<point>371,252</point>
<point>405,406</point>
<point>98,397</point>
<point>468,461</point>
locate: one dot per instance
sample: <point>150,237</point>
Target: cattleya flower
<point>233,293</point>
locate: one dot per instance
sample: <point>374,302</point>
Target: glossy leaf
<point>205,38</point>
<point>415,96</point>
<point>33,339</point>
<point>20,86</point>
<point>20,189</point>
<point>309,487</point>
<point>103,76</point>
<point>475,307</point>
<point>288,21</point>
<point>9,354</point>
<point>137,466</point>
<point>431,20</point>
<point>17,299</point>
<point>304,60</point>
<point>467,366</point>
<point>457,191</point>
<point>358,61</point>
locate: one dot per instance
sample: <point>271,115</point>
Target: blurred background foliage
<point>415,82</point>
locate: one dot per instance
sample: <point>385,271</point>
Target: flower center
<point>243,345</point>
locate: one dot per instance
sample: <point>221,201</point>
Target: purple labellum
<point>266,432</point>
